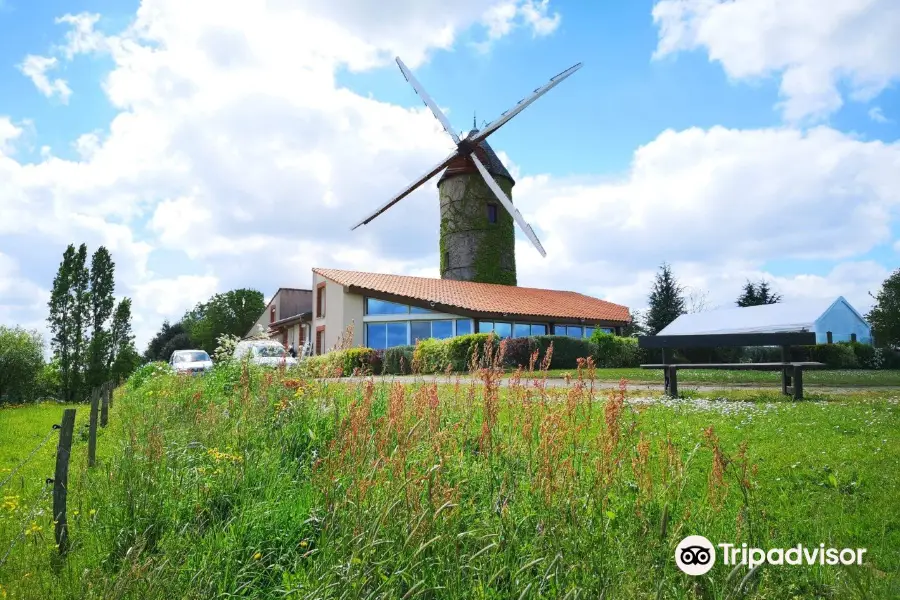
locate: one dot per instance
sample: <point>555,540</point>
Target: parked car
<point>190,361</point>
<point>268,353</point>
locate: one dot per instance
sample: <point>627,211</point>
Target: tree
<point>697,301</point>
<point>233,312</point>
<point>60,320</point>
<point>636,327</point>
<point>80,297</point>
<point>666,301</point>
<point>757,294</point>
<point>21,361</point>
<point>160,347</point>
<point>123,357</point>
<point>884,317</point>
<point>102,279</point>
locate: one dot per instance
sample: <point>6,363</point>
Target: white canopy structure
<point>836,317</point>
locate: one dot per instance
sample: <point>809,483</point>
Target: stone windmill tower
<point>477,238</point>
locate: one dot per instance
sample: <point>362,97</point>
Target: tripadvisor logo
<point>696,555</point>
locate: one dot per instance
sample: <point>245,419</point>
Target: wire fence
<point>58,485</point>
<point>30,455</point>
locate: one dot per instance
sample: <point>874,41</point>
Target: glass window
<point>521,330</point>
<point>538,330</point>
<point>441,329</point>
<point>588,332</point>
<point>492,213</point>
<point>607,330</point>
<point>419,330</point>
<point>503,330</point>
<point>573,331</point>
<point>396,334</point>
<point>418,310</point>
<point>485,326</point>
<point>463,326</point>
<point>376,336</point>
<point>559,330</point>
<point>382,307</point>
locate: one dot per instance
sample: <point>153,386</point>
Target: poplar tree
<point>80,298</point>
<point>102,280</point>
<point>60,320</point>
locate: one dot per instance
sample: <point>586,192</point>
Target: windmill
<point>467,151</point>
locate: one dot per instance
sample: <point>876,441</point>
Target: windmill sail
<point>507,203</point>
<point>438,114</point>
<point>409,190</point>
<point>523,103</point>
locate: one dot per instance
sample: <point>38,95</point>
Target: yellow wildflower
<point>304,544</point>
<point>93,512</point>
<point>257,556</point>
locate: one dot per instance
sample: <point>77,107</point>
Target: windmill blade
<point>523,103</point>
<point>410,189</point>
<point>507,203</point>
<point>440,116</point>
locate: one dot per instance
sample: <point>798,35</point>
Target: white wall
<point>341,309</point>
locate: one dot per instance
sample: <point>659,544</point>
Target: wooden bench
<point>791,373</point>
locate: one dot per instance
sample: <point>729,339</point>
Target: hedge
<point>397,360</point>
<point>348,362</point>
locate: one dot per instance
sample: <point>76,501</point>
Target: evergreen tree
<point>60,320</point>
<point>102,278</point>
<point>666,301</point>
<point>757,294</point>
<point>80,297</point>
<point>885,314</point>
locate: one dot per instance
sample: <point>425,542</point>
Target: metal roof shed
<point>835,317</point>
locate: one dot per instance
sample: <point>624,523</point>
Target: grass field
<point>829,378</point>
<point>254,484</point>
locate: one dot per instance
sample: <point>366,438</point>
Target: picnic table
<point>791,378</point>
<point>791,371</point>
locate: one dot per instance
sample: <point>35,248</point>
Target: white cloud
<point>877,115</point>
<point>536,15</point>
<point>814,46</point>
<point>36,67</point>
<point>9,132</point>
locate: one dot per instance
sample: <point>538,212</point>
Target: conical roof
<point>464,165</point>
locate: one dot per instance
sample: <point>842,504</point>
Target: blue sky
<point>214,148</point>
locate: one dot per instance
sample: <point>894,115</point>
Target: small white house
<point>831,321</point>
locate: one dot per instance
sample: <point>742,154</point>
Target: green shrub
<point>865,355</point>
<point>459,349</point>
<point>613,351</point>
<point>146,372</point>
<point>431,356</point>
<point>358,360</point>
<point>566,350</point>
<point>518,352</point>
<point>397,360</point>
<point>835,356</point>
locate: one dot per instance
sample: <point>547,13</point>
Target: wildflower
<point>76,512</point>
<point>34,528</point>
<point>93,512</point>
<point>304,544</point>
<point>257,556</point>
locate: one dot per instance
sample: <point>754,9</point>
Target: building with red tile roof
<point>392,310</point>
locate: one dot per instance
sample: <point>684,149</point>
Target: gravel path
<point>654,388</point>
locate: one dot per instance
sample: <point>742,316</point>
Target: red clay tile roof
<point>484,297</point>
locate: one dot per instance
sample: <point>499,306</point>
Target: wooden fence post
<point>61,479</point>
<point>92,428</point>
<point>104,409</point>
<point>109,392</point>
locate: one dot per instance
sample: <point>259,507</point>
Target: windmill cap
<point>464,166</point>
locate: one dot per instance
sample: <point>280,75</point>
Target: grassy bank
<point>255,484</point>
<point>830,378</point>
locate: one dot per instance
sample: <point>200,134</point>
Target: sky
<point>219,145</point>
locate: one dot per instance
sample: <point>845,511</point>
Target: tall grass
<point>261,484</point>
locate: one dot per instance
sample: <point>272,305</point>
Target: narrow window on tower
<point>446,259</point>
<point>492,213</point>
